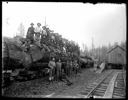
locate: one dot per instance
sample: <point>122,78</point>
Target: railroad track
<point>94,87</point>
<point>108,86</point>
<point>119,86</point>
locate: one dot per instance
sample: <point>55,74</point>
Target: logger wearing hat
<point>76,67</point>
<point>58,69</point>
<point>44,30</point>
<point>43,35</point>
<point>38,32</point>
<point>30,33</point>
<point>32,24</point>
<point>52,66</point>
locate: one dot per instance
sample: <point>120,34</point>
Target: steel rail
<point>124,78</point>
<point>92,90</point>
<point>110,89</point>
<point>117,92</point>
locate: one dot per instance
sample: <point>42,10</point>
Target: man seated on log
<point>44,35</point>
<point>52,40</point>
<point>30,33</point>
<point>38,32</point>
<point>26,45</point>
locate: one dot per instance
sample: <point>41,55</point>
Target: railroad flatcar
<point>86,62</point>
<point>21,65</point>
<point>116,57</point>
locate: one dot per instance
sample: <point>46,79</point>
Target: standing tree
<point>85,49</point>
<point>109,46</point>
<point>123,45</point>
<point>21,30</point>
<point>115,44</point>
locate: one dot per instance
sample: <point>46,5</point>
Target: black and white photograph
<point>63,50</point>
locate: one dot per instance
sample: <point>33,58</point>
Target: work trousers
<point>76,70</point>
<point>58,73</point>
<point>67,70</point>
<point>51,74</point>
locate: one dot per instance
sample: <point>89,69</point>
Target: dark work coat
<point>30,33</point>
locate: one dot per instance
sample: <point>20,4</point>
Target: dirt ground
<point>40,87</point>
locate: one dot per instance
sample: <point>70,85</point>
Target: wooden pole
<point>45,21</point>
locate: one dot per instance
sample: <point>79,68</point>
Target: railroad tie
<point>110,88</point>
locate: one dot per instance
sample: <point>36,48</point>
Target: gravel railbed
<point>40,87</point>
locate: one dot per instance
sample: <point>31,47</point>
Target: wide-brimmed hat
<point>39,24</point>
<point>43,26</point>
<point>31,24</point>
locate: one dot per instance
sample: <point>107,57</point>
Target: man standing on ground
<point>67,67</point>
<point>76,66</point>
<point>58,69</point>
<point>71,67</point>
<point>52,66</point>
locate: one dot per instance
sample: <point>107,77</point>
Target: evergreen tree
<point>21,30</point>
<point>85,49</point>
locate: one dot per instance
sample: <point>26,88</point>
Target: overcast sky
<point>105,23</point>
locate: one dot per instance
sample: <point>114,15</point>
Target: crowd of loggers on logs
<point>60,58</point>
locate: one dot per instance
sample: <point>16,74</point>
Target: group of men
<point>36,34</point>
<point>56,72</point>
